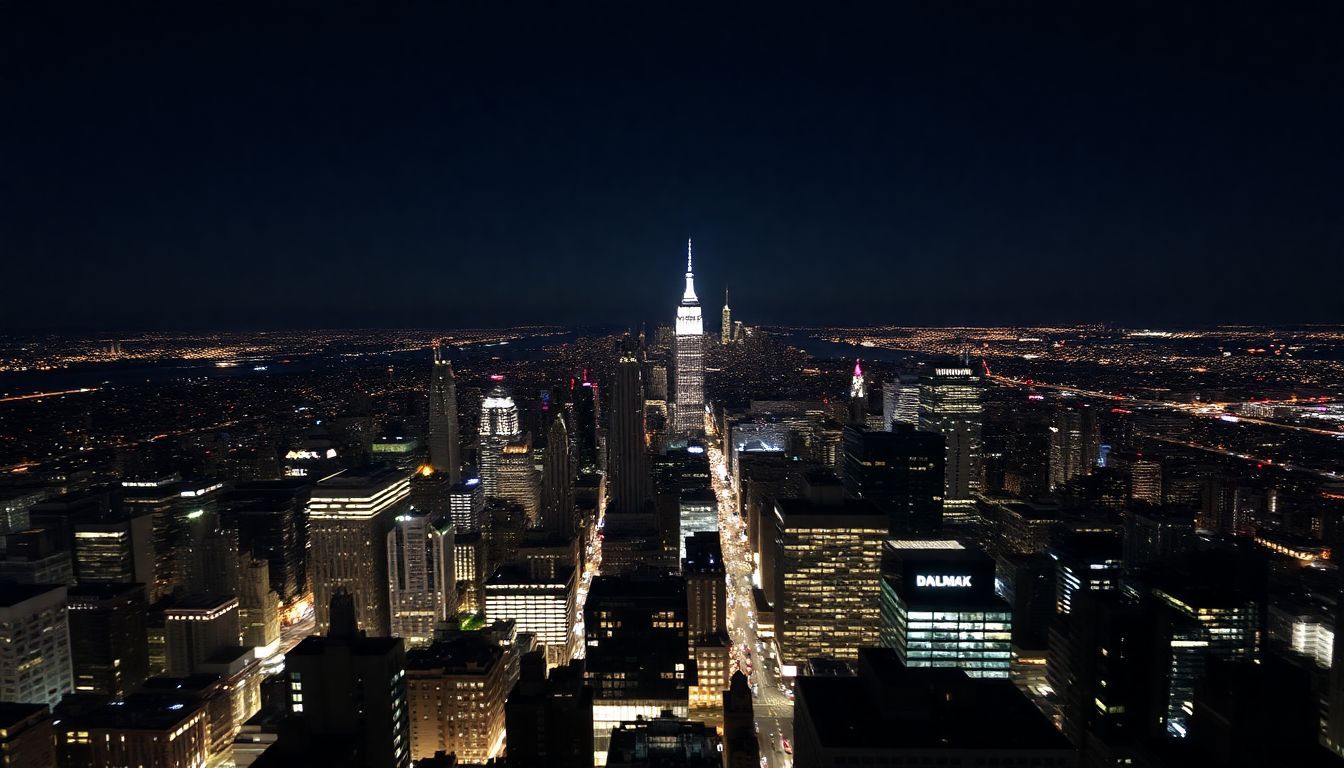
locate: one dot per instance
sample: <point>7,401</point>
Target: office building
<point>114,549</point>
<point>1202,620</point>
<point>637,651</point>
<point>14,506</point>
<point>826,570</point>
<point>108,653</point>
<point>688,414</point>
<point>540,605</point>
<point>349,516</point>
<point>26,737</point>
<point>1075,444</point>
<point>741,747</point>
<point>939,609</point>
<point>445,444</point>
<point>698,512</point>
<point>431,492</point>
<point>1156,534</point>
<point>707,621</point>
<point>349,690</point>
<point>34,644</point>
<point>891,715</point>
<point>147,729</point>
<point>498,428</point>
<point>270,520</point>
<point>949,404</point>
<point>36,556</point>
<point>422,583</point>
<point>197,627</point>
<point>467,505</point>
<point>629,488</point>
<point>901,472</point>
<point>549,720</point>
<point>558,517</point>
<point>470,568</point>
<point>518,480</point>
<point>900,401</point>
<point>258,608</point>
<point>1085,560</point>
<point>456,689</point>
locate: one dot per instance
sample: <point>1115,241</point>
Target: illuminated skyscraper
<point>949,404</point>
<point>900,401</point>
<point>349,516</point>
<point>858,396</point>
<point>422,586</point>
<point>499,427</point>
<point>726,329</point>
<point>444,441</point>
<point>518,479</point>
<point>688,417</point>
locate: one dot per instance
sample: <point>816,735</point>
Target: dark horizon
<point>178,167</point>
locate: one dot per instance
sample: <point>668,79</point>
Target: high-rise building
<point>858,396</point>
<point>518,480</point>
<point>901,472</point>
<point>726,324</point>
<point>421,580</point>
<point>196,627</point>
<point>540,605</point>
<point>629,484</point>
<point>939,609</point>
<point>350,690</point>
<point>549,720</point>
<point>698,513</point>
<point>349,516</point>
<point>114,549</point>
<point>456,689</point>
<point>1085,561</point>
<point>706,619</point>
<point>949,404</point>
<point>827,573</point>
<point>653,742</point>
<point>900,401</point>
<point>1075,445</point>
<point>498,428</point>
<point>466,503</point>
<point>107,638</point>
<point>142,729</point>
<point>258,608</point>
<point>269,518</point>
<point>26,738</point>
<point>688,416</point>
<point>34,644</point>
<point>445,444</point>
<point>557,482</point>
<point>637,652</point>
<point>470,569</point>
<point>35,556</point>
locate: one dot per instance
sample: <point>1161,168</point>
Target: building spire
<point>689,298</point>
<point>689,271</point>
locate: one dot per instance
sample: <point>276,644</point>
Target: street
<point>773,709</point>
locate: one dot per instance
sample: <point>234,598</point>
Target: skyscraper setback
<point>688,417</point>
<point>444,442</point>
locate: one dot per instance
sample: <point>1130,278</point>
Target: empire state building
<point>688,416</point>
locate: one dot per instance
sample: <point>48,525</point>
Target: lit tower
<point>726,329</point>
<point>444,442</point>
<point>858,396</point>
<point>499,427</point>
<point>689,416</point>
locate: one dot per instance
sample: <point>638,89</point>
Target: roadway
<point>772,707</point>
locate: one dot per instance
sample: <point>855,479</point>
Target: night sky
<point>217,165</point>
